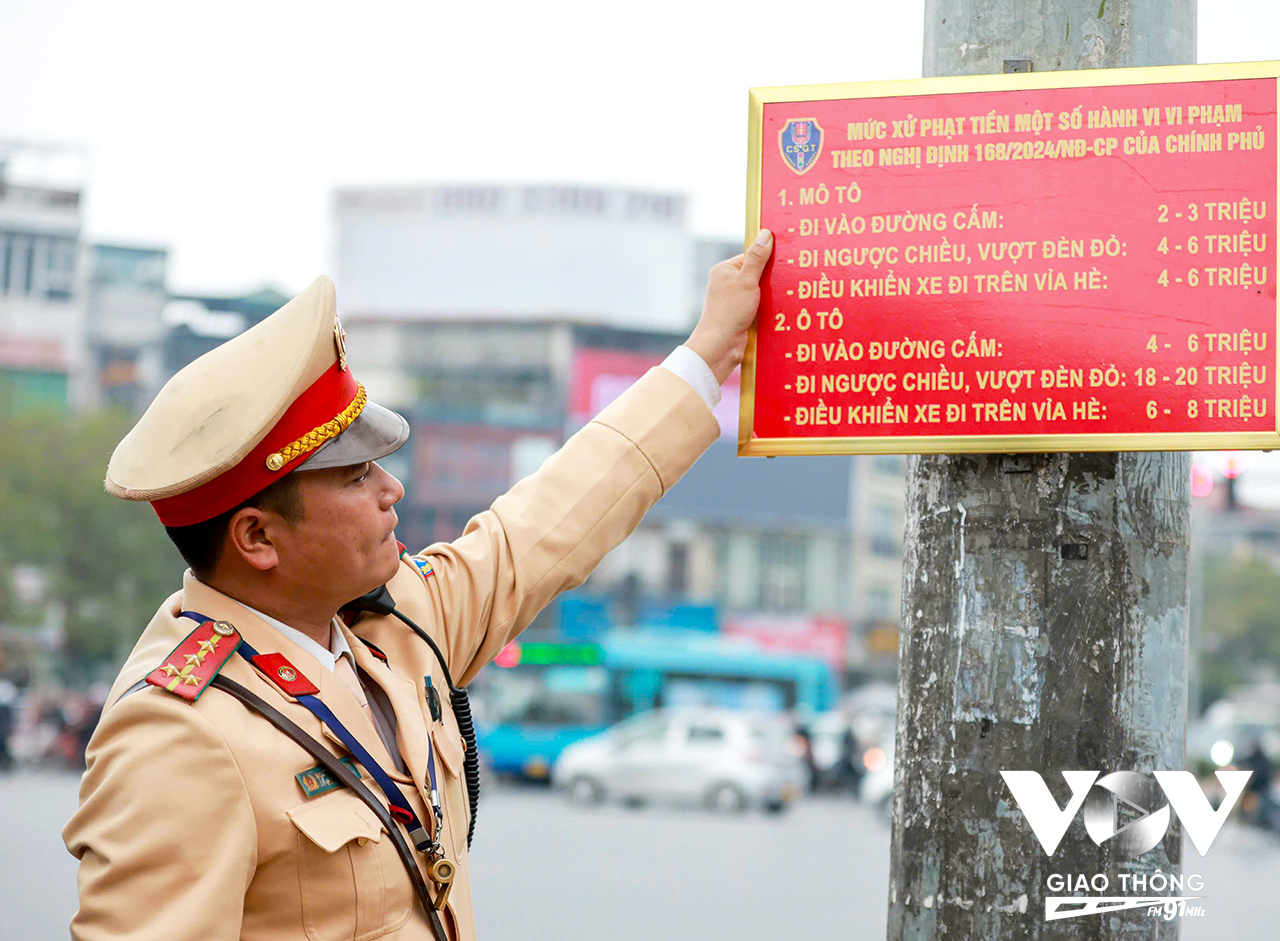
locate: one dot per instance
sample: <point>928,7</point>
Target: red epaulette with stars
<point>188,670</point>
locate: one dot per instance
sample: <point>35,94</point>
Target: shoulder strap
<point>342,773</point>
<point>190,666</point>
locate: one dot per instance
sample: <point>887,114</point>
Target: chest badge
<point>316,781</point>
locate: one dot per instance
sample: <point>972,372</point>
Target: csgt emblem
<point>800,142</point>
<point>1102,798</point>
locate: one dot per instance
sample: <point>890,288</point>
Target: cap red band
<point>325,398</point>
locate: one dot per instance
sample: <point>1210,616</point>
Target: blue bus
<point>538,698</point>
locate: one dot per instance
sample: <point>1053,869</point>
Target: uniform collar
<point>326,658</point>
<point>197,596</point>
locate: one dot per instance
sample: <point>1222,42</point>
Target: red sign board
<point>1034,262</point>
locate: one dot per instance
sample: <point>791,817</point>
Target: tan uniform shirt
<point>192,824</point>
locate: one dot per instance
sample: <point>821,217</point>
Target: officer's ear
<point>253,526</point>
<point>250,535</point>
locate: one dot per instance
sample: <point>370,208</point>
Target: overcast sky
<point>219,130</point>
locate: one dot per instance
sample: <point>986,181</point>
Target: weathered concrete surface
<point>1044,628</point>
<point>1044,597</point>
<point>972,37</point>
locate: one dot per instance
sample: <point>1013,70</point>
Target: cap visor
<point>375,433</point>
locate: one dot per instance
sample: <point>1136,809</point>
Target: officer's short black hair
<point>200,544</point>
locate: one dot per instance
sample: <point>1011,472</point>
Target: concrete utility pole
<point>1044,610</point>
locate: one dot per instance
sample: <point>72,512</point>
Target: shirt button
<point>363,840</point>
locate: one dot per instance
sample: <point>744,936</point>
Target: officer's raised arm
<point>204,812</point>
<point>548,532</point>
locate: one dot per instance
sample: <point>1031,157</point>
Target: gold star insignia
<point>194,659</point>
<point>170,670</point>
<point>207,646</point>
<point>191,680</point>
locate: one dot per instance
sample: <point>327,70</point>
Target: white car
<point>726,761</point>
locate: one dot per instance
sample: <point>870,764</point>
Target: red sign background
<point>1032,262</point>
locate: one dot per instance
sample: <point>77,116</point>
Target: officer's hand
<point>733,295</point>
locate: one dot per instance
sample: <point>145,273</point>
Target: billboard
<point>601,375</point>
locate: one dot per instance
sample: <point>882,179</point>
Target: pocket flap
<point>449,749</point>
<point>330,825</point>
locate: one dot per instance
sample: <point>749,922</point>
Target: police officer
<point>201,815</point>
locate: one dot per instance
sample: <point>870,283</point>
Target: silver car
<point>726,761</point>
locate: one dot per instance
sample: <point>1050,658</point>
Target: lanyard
<point>400,807</point>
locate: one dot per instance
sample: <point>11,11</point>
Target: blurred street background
<point>519,215</point>
<point>544,869</point>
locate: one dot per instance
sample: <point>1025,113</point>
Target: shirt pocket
<point>353,885</point>
<point>449,748</point>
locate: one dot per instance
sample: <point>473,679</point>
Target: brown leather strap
<point>343,774</point>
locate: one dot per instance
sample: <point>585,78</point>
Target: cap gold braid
<point>318,436</point>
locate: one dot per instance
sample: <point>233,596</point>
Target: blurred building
<point>196,323</point>
<point>501,319</point>
<point>44,349</point>
<point>125,303</point>
<point>489,399</point>
<point>80,325</point>
<point>589,254</point>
